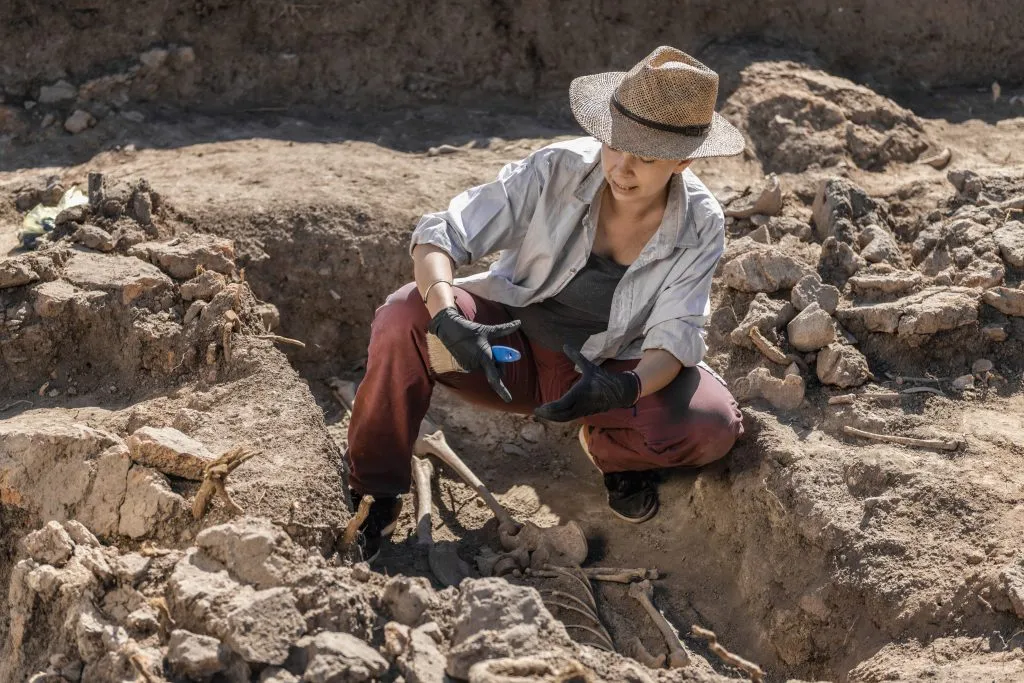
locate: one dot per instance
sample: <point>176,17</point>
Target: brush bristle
<point>440,358</point>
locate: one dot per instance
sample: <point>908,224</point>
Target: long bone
<point>678,657</point>
<point>446,565</point>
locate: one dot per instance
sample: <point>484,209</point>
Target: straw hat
<point>663,108</point>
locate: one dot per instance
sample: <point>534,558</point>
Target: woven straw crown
<point>664,107</point>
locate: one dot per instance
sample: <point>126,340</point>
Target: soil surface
<point>816,553</point>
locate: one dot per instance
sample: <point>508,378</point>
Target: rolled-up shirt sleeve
<point>676,323</point>
<point>487,218</point>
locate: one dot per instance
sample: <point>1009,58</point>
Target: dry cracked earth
<point>171,487</point>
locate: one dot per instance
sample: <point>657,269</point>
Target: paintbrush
<point>442,360</point>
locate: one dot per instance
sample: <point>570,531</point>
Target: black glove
<point>596,391</point>
<point>469,343</point>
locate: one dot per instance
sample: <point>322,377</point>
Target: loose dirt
<point>812,552</point>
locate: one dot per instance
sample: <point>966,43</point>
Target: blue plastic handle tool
<point>505,354</point>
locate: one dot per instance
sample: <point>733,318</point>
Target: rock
<point>839,260</point>
<point>497,619</point>
<point>879,245</point>
<point>764,313</point>
<point>407,598</point>
<point>982,366</point>
<point>761,235</point>
<point>49,545</point>
<point>981,273</point>
<point>887,283</point>
<point>182,57</point>
<point>123,275</point>
<point>274,674</point>
<point>149,504</point>
<point>1010,240</point>
<point>415,652</point>
<point>920,315</point>
<point>193,655</point>
<point>811,329</point>
<point>60,91</point>
<point>52,299</point>
<point>80,534</point>
<point>1006,300</point>
<point>101,509</point>
<point>200,594</point>
<point>182,257</point>
<point>50,467</point>
<point>130,567</point>
<point>963,382</point>
<point>341,658</point>
<point>784,394</point>
<point>842,366</point>
<point>94,238</point>
<point>764,198</point>
<point>781,226</point>
<point>79,121</point>
<point>169,451</point>
<point>810,289</point>
<point>832,203</point>
<point>204,286</point>
<point>270,316</point>
<point>154,58</point>
<point>1013,583</point>
<point>255,551</point>
<point>140,207</point>
<point>262,626</point>
<point>995,332</point>
<point>532,432</point>
<point>766,269</point>
<point>16,272</point>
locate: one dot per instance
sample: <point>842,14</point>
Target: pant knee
<point>403,311</point>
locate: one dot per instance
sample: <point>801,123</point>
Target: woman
<point>609,245</point>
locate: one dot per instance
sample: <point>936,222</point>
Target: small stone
<point>275,674</point>
<point>47,121</point>
<point>765,198</point>
<point>761,235</point>
<point>532,432</point>
<point>996,333</point>
<point>15,273</point>
<point>764,313</point>
<point>58,92</point>
<point>975,557</point>
<point>50,545</point>
<point>342,658</point>
<point>792,369</point>
<point>79,533</point>
<point>169,451</point>
<point>94,238</point>
<point>811,329</point>
<point>765,269</point>
<point>79,121</point>
<point>154,58</point>
<point>784,394</point>
<point>193,655</point>
<point>407,598</point>
<point>1003,299</point>
<point>264,625</point>
<point>842,366</point>
<point>810,289</point>
<point>982,366</point>
<point>963,382</point>
<point>361,572</point>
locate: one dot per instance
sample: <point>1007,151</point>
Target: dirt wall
<point>267,53</point>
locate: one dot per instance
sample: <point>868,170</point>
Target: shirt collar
<point>677,227</point>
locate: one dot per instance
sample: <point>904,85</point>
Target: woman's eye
<point>647,161</point>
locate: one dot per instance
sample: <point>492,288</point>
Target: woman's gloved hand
<point>469,343</point>
<point>596,391</point>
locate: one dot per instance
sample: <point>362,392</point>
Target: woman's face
<point>632,178</point>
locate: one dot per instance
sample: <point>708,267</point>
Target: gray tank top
<point>580,310</point>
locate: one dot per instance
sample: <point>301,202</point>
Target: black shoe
<point>381,522</point>
<point>632,495</point>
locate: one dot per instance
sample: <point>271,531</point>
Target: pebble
<point>975,557</point>
<point>533,432</point>
<point>963,382</point>
<point>996,333</point>
<point>79,121</point>
<point>981,366</point>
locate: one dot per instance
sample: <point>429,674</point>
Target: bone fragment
<point>770,351</point>
<point>753,670</point>
<point>281,340</point>
<point>677,654</point>
<point>637,651</point>
<point>923,390</point>
<point>352,529</point>
<point>939,444</point>
<point>214,476</point>
<point>939,160</point>
<point>845,399</point>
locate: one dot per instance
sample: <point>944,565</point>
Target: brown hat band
<point>690,131</point>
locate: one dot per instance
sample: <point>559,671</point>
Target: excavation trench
<point>745,548</point>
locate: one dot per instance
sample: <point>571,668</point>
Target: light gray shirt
<point>541,214</point>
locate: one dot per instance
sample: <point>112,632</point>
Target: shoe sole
<point>632,520</point>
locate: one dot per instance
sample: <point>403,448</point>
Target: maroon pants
<point>691,422</point>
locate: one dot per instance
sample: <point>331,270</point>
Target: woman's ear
<point>682,165</point>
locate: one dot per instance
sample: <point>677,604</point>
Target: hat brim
<point>590,99</point>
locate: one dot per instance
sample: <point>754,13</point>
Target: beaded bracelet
<point>431,286</point>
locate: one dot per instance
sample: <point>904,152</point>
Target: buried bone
<point>678,657</point>
<point>446,565</point>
